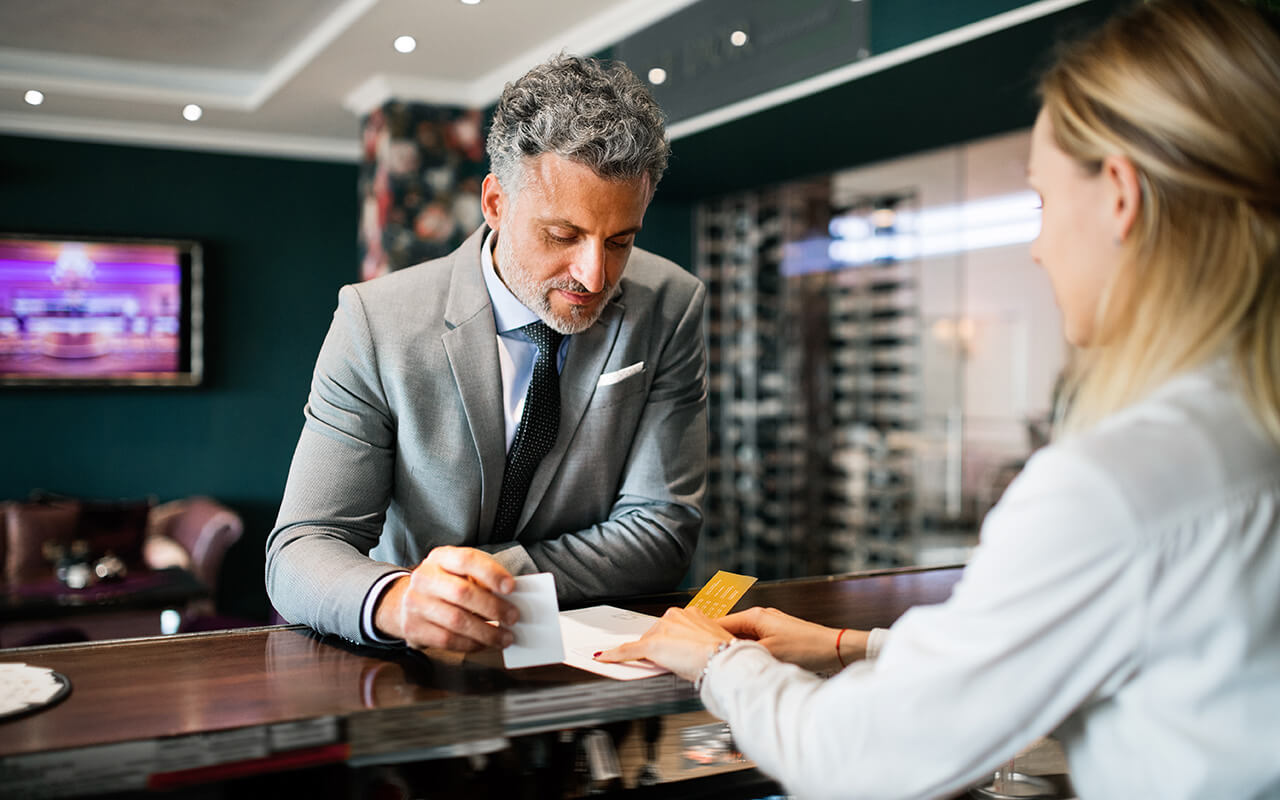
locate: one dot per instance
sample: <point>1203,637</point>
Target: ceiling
<point>278,77</point>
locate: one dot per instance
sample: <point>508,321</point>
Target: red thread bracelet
<point>840,636</point>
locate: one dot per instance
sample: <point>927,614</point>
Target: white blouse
<point>1125,597</point>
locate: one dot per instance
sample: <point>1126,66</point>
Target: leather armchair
<point>193,533</point>
<point>203,528</point>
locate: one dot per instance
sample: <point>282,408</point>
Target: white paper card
<point>590,630</point>
<point>537,634</point>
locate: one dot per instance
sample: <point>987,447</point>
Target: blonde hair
<point>1189,92</point>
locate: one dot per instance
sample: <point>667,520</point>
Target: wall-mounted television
<point>93,311</point>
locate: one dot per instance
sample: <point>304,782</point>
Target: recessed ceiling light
<point>405,44</point>
<point>657,75</point>
<point>192,112</point>
<point>738,38</point>
<point>471,2</point>
<point>34,97</point>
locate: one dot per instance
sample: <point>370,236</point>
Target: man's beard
<point>536,296</point>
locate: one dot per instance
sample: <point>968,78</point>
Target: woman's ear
<point>1124,193</point>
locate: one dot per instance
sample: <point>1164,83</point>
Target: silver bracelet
<point>720,648</point>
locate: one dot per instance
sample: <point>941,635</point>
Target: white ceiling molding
<point>320,37</point>
<point>867,66</point>
<point>119,79</point>
<point>126,80</point>
<point>183,137</point>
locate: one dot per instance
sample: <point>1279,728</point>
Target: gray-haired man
<point>535,401</point>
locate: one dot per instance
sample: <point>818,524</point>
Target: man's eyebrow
<point>559,221</point>
<point>564,223</point>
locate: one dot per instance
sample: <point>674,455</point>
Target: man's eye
<point>617,245</point>
<point>557,238</point>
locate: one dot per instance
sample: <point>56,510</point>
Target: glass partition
<point>882,357</point>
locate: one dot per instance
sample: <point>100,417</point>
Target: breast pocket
<point>618,391</point>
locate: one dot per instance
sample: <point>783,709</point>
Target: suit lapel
<point>585,360</point>
<point>471,346</point>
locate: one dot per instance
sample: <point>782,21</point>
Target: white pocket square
<point>610,378</point>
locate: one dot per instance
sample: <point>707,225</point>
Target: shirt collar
<point>508,312</point>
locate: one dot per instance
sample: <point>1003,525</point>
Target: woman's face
<point>1077,245</point>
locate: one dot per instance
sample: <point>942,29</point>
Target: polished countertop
<point>184,702</point>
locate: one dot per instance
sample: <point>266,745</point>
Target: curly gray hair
<point>599,115</point>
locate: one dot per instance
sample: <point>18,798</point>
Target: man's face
<point>564,238</point>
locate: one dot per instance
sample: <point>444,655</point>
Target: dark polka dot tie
<point>539,424</point>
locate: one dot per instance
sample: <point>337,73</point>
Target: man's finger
<point>431,611</point>
<point>425,633</point>
<point>466,594</point>
<point>478,565</point>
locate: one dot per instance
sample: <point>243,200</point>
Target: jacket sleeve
<point>318,572</point>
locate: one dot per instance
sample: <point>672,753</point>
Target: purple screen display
<point>91,310</point>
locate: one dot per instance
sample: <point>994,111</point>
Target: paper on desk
<point>537,634</point>
<point>587,631</point>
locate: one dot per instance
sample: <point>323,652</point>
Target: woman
<point>1126,593</point>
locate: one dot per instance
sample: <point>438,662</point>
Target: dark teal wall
<point>895,23</point>
<point>279,239</point>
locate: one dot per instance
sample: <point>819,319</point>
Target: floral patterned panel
<point>419,183</point>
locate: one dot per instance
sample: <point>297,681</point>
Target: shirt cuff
<point>370,603</point>
<point>876,639</point>
<point>741,649</point>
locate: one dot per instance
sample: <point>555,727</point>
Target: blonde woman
<point>1126,593</point>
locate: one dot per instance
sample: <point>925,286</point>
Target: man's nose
<point>588,268</point>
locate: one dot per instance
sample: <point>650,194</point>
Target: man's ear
<point>1124,193</point>
<point>493,201</point>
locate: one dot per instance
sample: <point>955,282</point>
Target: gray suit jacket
<point>403,446</point>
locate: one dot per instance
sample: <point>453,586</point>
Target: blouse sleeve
<point>1045,617</point>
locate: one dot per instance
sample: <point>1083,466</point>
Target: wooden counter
<point>163,712</point>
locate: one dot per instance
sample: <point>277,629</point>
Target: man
<point>448,447</point>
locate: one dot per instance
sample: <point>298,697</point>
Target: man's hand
<point>797,641</point>
<point>447,600</point>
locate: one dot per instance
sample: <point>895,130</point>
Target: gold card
<point>718,595</point>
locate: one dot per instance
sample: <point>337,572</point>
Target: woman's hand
<point>681,641</point>
<point>797,641</point>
